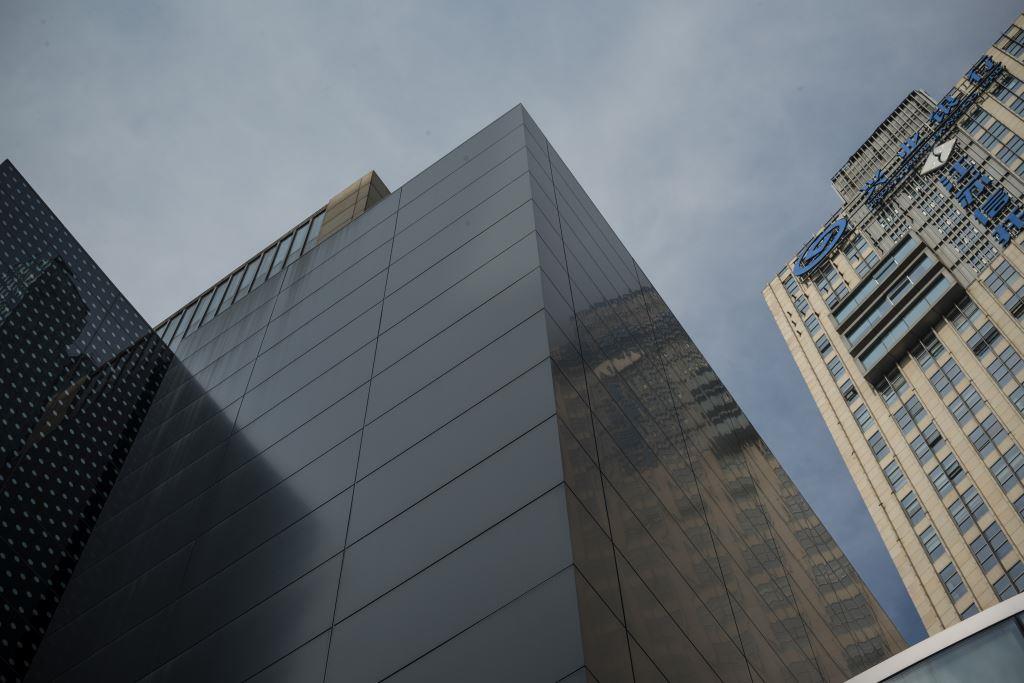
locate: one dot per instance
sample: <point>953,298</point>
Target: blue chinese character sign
<point>819,248</point>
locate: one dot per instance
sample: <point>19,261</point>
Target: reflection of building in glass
<point>66,422</point>
<point>451,432</point>
<point>904,317</point>
<point>988,646</point>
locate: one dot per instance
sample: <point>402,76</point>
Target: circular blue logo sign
<point>819,247</point>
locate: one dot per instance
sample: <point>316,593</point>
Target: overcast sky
<point>177,139</point>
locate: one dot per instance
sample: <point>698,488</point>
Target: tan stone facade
<point>910,336</point>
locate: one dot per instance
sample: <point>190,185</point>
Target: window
<point>298,242</point>
<point>801,305</point>
<point>168,331</point>
<point>976,120</point>
<point>912,507</point>
<point>910,413</point>
<point>264,269</point>
<point>1008,469</point>
<point>1005,366</point>
<point>967,508</point>
<point>950,578</point>
<point>1011,41</point>
<point>186,318</point>
<point>812,324</point>
<point>1002,279</point>
<point>204,303</point>
<point>1010,154</point>
<point>849,391</point>
<point>903,324</point>
<point>247,277</point>
<point>1018,505</point>
<point>971,610</point>
<point>990,547</point>
<point>966,405</point>
<point>823,345</point>
<point>1005,283</point>
<point>878,445</point>
<point>868,287</point>
<point>986,436</point>
<point>993,135</point>
<point>1011,583</point>
<point>981,342</point>
<point>836,369</point>
<point>229,296</point>
<point>314,232</point>
<point>895,476</point>
<point>946,475</point>
<point>218,296</point>
<point>965,313</point>
<point>928,444</point>
<point>282,254</point>
<point>863,418</point>
<point>891,387</point>
<point>932,543</point>
<point>928,351</point>
<point>893,296</point>
<point>945,377</point>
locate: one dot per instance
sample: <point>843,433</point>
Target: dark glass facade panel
<point>461,439</point>
<point>78,370</point>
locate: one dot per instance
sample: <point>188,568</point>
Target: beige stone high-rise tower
<point>905,315</point>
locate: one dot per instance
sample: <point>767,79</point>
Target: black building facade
<point>78,370</point>
<point>458,436</point>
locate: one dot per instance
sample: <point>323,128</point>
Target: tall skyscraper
<point>78,370</point>
<point>452,432</point>
<point>904,315</point>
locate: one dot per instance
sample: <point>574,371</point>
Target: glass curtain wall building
<point>458,436</point>
<point>904,315</point>
<point>79,368</point>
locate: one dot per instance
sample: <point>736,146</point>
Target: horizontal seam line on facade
<point>202,455</point>
<point>274,315</point>
<point>452,285</point>
<point>205,394</point>
<point>215,337</point>
<point>667,470</point>
<point>477,622</point>
<point>226,567</point>
<point>639,521</point>
<point>458,168</point>
<point>452,479</point>
<point>504,334</point>
<point>624,325</point>
<point>253,458</point>
<point>623,553</point>
<point>191,374</point>
<point>358,478</point>
<point>448,554</point>
<point>411,351</point>
<point>412,248</point>
<point>341,249</point>
<point>238,428</point>
<point>460,191</point>
<point>208,635</point>
<point>413,392</point>
<point>481,231</point>
<point>335,332</point>
<point>376,302</point>
<point>365,283</point>
<point>457,320</point>
<point>313,348</point>
<point>448,422</point>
